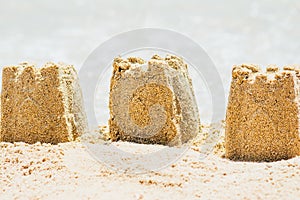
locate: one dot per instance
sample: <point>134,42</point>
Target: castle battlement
<point>251,73</point>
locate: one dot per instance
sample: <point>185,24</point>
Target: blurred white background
<point>231,32</point>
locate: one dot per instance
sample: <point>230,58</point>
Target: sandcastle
<point>262,120</point>
<point>152,102</point>
<point>41,104</point>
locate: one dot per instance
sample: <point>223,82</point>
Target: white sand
<point>69,171</point>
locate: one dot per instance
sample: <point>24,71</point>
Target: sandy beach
<point>67,170</point>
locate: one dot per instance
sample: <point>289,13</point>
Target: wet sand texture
<point>262,121</point>
<point>41,104</point>
<point>152,102</point>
